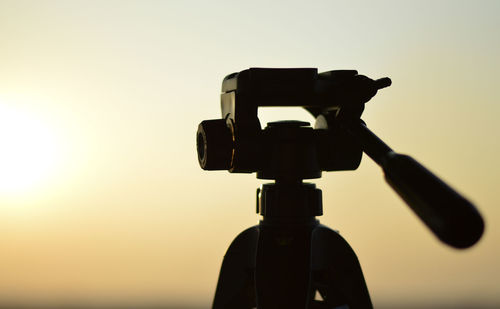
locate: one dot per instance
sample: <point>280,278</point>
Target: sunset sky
<point>102,199</point>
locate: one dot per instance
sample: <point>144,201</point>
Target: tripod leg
<point>336,273</point>
<point>236,285</point>
<point>283,266</point>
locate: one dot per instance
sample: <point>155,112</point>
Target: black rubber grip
<point>449,215</point>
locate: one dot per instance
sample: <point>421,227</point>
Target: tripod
<point>289,257</point>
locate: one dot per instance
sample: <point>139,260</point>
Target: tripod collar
<point>289,200</point>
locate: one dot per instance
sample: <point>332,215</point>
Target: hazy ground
<point>386,306</point>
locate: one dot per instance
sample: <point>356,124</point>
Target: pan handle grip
<point>451,217</point>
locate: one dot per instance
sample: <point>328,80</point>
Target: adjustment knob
<point>214,142</point>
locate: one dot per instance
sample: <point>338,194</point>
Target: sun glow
<point>28,150</point>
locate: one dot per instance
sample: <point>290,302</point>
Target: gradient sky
<point>101,196</point>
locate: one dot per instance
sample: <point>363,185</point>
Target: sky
<point>102,199</point>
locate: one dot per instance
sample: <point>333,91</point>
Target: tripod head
<point>237,143</point>
<point>291,151</point>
